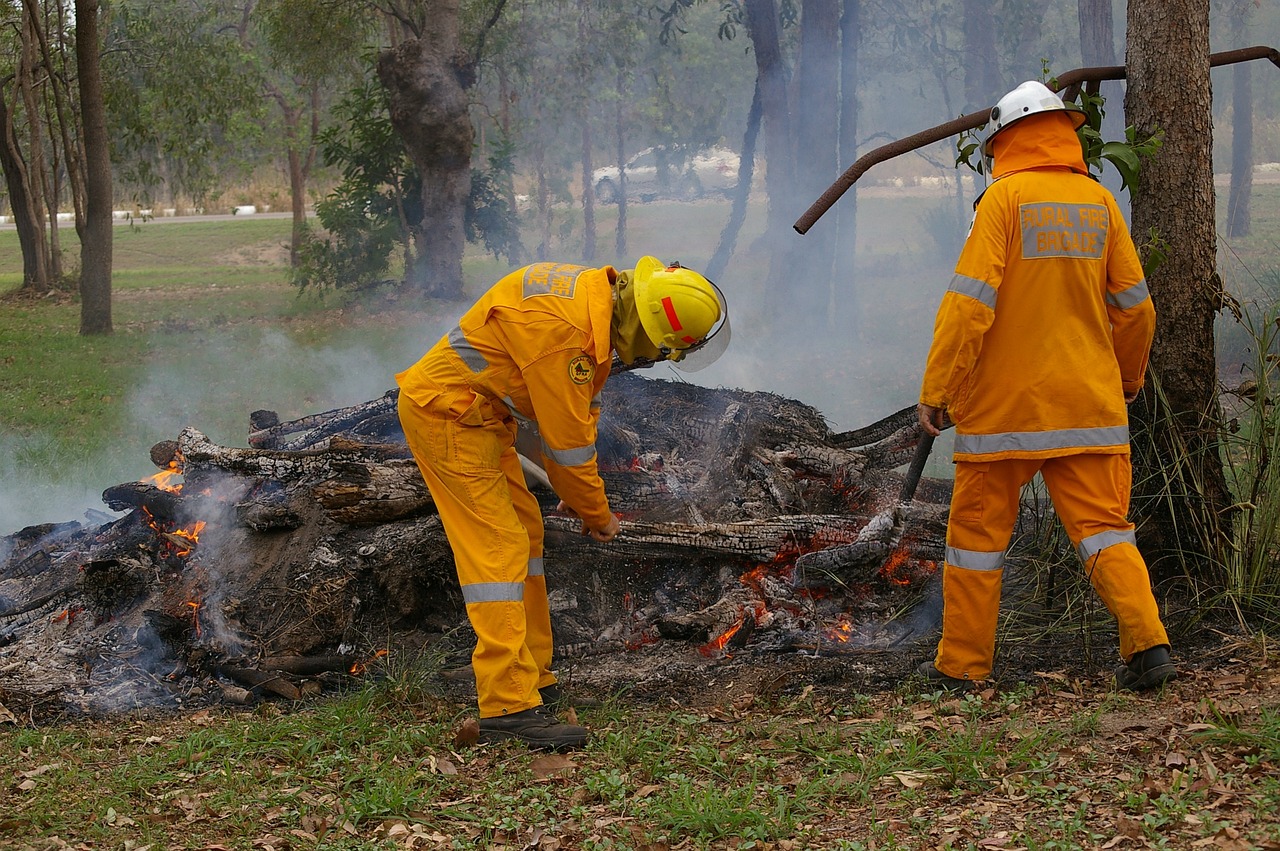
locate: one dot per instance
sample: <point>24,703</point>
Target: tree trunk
<point>619,110</point>
<point>588,190</point>
<point>427,79</point>
<point>1241,130</point>
<point>771,72</point>
<point>847,311</point>
<point>95,237</point>
<point>817,97</point>
<point>31,236</point>
<point>982,84</point>
<point>1098,48</point>
<point>1180,491</point>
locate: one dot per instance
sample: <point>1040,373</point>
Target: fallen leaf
<point>1173,758</point>
<point>467,733</point>
<point>551,765</point>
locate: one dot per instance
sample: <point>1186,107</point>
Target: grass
<point>1030,768</point>
<point>207,330</point>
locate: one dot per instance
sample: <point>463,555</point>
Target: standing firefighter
<point>536,349</point>
<point>1040,341</point>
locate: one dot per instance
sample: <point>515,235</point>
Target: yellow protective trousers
<point>494,525</point>
<point>1090,493</point>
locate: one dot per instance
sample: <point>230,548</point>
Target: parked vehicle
<point>687,177</point>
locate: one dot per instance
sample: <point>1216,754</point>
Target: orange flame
<point>163,479</point>
<point>192,535</point>
<point>68,615</point>
<point>841,630</point>
<point>361,667</point>
<point>717,644</point>
<point>194,606</point>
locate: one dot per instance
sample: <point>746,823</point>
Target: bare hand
<point>930,418</point>
<point>608,532</point>
<point>1130,397</point>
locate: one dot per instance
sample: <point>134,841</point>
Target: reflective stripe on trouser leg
<point>462,470</point>
<point>984,507</point>
<point>537,612</point>
<point>1091,496</point>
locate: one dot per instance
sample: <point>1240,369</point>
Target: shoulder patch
<point>581,369</point>
<point>555,279</point>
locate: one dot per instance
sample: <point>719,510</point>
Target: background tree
<point>1238,216</point>
<point>305,50</point>
<point>1180,490</point>
<point>427,76</point>
<point>95,226</point>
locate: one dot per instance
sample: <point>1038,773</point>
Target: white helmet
<point>1028,99</point>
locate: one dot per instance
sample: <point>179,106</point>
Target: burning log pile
<point>286,567</point>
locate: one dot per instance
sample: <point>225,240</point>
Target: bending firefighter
<point>536,350</point>
<point>1039,343</point>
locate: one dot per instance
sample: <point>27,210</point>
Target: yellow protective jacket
<point>536,346</point>
<point>1047,322</point>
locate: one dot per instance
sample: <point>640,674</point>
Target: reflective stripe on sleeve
<point>535,567</point>
<point>1038,441</point>
<point>1094,544</point>
<point>974,288</point>
<point>570,457</point>
<point>493,592</point>
<point>975,559</point>
<point>1132,297</point>
<point>468,353</point>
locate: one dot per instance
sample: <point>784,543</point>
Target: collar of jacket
<point>1046,140</point>
<point>600,309</point>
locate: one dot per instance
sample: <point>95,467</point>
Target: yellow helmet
<point>678,308</point>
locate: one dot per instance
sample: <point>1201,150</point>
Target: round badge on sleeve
<point>581,369</point>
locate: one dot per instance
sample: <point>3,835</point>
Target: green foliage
<point>378,205</point>
<point>1126,157</point>
<point>182,99</point>
<point>1251,460</point>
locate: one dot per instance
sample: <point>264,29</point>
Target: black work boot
<point>537,727</point>
<point>1148,669</point>
<point>940,681</point>
<point>553,697</point>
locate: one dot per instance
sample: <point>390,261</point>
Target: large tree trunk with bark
<point>1179,486</point>
<point>427,80</point>
<point>95,235</point>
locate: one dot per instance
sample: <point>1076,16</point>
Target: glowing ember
<point>194,607</point>
<point>841,630</point>
<point>68,615</point>
<point>361,667</point>
<point>894,569</point>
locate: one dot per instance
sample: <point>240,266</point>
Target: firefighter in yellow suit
<point>1040,341</point>
<point>535,350</point>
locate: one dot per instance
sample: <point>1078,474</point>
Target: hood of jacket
<point>1045,140</point>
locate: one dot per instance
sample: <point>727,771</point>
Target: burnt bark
<point>1180,490</point>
